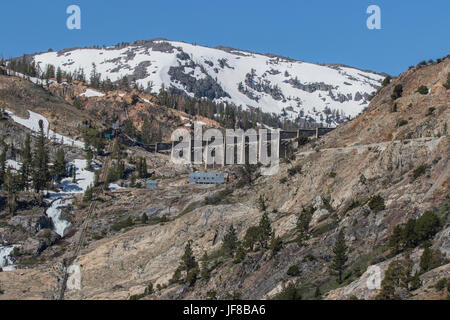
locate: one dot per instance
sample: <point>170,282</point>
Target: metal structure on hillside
<point>251,141</point>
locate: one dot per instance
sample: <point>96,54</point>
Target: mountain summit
<point>295,89</point>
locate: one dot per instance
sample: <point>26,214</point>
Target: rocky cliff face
<point>397,152</point>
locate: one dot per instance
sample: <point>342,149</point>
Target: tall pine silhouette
<point>340,256</point>
<point>41,175</point>
<point>27,162</point>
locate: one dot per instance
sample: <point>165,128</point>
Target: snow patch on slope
<point>92,93</point>
<point>32,123</point>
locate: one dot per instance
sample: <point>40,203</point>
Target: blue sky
<point>326,31</point>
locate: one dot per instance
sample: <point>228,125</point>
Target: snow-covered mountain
<point>272,83</point>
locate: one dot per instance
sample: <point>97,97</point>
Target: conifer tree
<point>189,264</point>
<point>59,75</point>
<point>230,242</point>
<point>426,260</point>
<point>188,260</point>
<point>89,157</point>
<point>415,282</point>
<point>139,167</point>
<point>144,168</point>
<point>340,256</point>
<point>397,276</point>
<point>27,162</point>
<point>96,178</point>
<point>205,272</point>
<point>95,77</point>
<point>88,194</point>
<point>262,203</point>
<point>276,244</point>
<point>395,241</point>
<point>2,167</point>
<point>265,230</point>
<point>120,173</point>
<point>11,189</point>
<point>41,175</point>
<point>430,259</point>
<point>74,174</point>
<point>59,167</point>
<point>252,235</point>
<point>303,225</point>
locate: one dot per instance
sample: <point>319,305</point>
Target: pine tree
<point>2,167</point>
<point>396,277</point>
<point>340,256</point>
<point>89,157</point>
<point>386,81</point>
<point>251,237</point>
<point>205,272</point>
<point>11,189</point>
<point>262,203</point>
<point>303,225</point>
<point>144,168</point>
<point>230,242</point>
<point>141,168</point>
<point>409,236</point>
<point>59,75</point>
<point>265,230</point>
<point>426,260</point>
<point>124,84</point>
<point>430,259</point>
<point>188,260</point>
<point>120,170</point>
<point>398,91</point>
<point>88,195</point>
<point>59,167</point>
<point>74,174</point>
<point>41,175</point>
<point>240,254</point>
<point>96,178</point>
<point>27,162</point>
<point>144,218</point>
<point>276,244</point>
<point>95,77</point>
<point>395,241</point>
<point>415,282</point>
<point>189,264</point>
